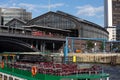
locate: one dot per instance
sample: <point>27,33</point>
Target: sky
<point>91,10</point>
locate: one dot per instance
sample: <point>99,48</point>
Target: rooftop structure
<point>61,20</point>
<point>7,14</point>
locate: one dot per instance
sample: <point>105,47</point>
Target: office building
<point>7,14</point>
<point>112,17</point>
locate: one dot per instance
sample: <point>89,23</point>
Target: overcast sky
<point>91,10</point>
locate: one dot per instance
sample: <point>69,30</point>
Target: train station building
<point>52,28</point>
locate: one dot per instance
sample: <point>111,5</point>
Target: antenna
<point>49,6</point>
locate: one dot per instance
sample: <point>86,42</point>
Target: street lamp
<point>95,46</point>
<point>111,46</point>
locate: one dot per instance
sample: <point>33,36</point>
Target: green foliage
<point>90,45</point>
<point>101,46</point>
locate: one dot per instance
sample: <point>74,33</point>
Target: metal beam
<point>77,38</point>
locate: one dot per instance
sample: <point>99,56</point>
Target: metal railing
<point>59,38</point>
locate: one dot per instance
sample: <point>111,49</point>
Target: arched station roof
<point>74,19</point>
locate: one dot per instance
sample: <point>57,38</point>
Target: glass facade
<point>65,21</point>
<point>10,13</point>
<point>116,12</point>
<point>90,31</point>
<point>54,21</point>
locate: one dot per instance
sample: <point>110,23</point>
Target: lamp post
<point>95,47</point>
<point>111,46</point>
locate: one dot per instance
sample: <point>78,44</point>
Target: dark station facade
<point>47,32</point>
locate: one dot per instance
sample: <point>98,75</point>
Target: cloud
<point>9,4</point>
<point>4,5</point>
<point>90,11</point>
<point>53,5</point>
<point>12,1</point>
<point>30,7</point>
<point>34,7</point>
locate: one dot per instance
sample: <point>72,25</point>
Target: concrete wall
<point>97,58</point>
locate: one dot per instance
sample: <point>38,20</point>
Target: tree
<point>101,46</point>
<point>90,45</point>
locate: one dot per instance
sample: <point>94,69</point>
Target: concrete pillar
<point>36,44</point>
<point>2,77</point>
<point>13,78</point>
<point>89,72</point>
<point>7,77</point>
<point>73,45</point>
<point>107,78</point>
<point>43,46</point>
<point>104,46</point>
<point>100,78</point>
<point>31,43</point>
